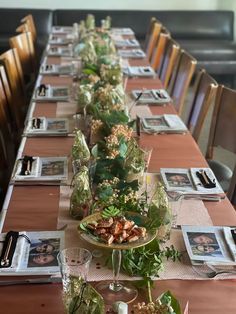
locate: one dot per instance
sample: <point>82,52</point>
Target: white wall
<point>115,4</point>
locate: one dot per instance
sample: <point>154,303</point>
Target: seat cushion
<point>222,172</point>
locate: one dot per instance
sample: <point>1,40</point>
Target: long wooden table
<point>36,208</point>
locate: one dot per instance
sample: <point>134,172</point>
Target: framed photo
<point>177,179</point>
<point>157,122</point>
<point>53,168</point>
<point>207,244</point>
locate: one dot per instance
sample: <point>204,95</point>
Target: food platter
<point>137,218</point>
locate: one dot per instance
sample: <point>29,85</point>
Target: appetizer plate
<point>139,221</point>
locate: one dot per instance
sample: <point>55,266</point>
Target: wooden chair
<point>168,62</point>
<point>148,32</point>
<point>153,39</point>
<point>7,145</point>
<point>159,50</point>
<point>25,47</point>
<point>181,78</point>
<point>14,87</point>
<point>232,188</point>
<point>222,133</point>
<point>29,22</point>
<point>203,96</point>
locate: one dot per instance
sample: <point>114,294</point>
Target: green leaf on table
<point>169,299</point>
<point>89,301</point>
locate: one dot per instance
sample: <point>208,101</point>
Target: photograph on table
<point>209,244</point>
<point>43,252</point>
<point>177,178</point>
<point>57,124</point>
<point>159,121</point>
<point>204,244</point>
<point>52,168</point>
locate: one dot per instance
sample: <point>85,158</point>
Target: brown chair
<point>159,50</point>
<point>232,188</point>
<point>14,87</point>
<point>148,32</point>
<point>203,96</point>
<point>5,127</point>
<point>7,145</point>
<point>222,133</point>
<point>29,22</point>
<point>181,78</point>
<point>168,62</point>
<point>25,47</point>
<point>153,39</point>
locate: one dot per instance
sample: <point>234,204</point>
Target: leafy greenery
<point>88,301</point>
<point>110,211</point>
<point>147,261</point>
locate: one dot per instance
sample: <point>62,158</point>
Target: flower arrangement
<point>118,161</point>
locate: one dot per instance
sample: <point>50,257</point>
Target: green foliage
<point>89,301</point>
<point>147,261</point>
<point>110,211</point>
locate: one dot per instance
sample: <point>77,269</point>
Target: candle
<point>120,307</point>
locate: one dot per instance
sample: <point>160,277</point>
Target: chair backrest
<point>29,21</point>
<point>25,47</point>
<point>232,188</point>
<point>203,96</point>
<point>223,123</point>
<point>181,78</point>
<point>159,50</point>
<point>4,118</point>
<point>153,39</point>
<point>168,62</point>
<point>16,94</point>
<point>149,31</point>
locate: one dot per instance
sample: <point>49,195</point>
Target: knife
<point>30,281</point>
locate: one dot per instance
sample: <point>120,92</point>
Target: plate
<point>139,221</point>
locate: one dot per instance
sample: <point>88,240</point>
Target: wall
<point>115,4</point>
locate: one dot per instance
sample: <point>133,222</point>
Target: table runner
<point>192,212</point>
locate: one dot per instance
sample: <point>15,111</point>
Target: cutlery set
<point>26,165</point>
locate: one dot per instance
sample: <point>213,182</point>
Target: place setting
<point>42,126</point>
<point>199,183</point>
<point>46,92</point>
<point>33,169</point>
<point>68,69</point>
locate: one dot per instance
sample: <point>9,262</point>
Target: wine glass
<point>117,291</point>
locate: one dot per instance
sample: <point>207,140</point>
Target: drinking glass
<point>74,266</point>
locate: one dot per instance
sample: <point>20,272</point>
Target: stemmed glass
<point>116,290</point>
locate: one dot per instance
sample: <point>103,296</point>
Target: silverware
<point>30,281</point>
<point>5,260</point>
<point>176,195</point>
<point>135,101</point>
<point>213,274</point>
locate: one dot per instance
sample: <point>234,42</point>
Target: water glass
<point>74,266</point>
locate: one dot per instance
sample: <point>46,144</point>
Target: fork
<point>213,274</point>
<point>175,196</point>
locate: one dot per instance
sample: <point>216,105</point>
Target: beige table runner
<point>192,212</point>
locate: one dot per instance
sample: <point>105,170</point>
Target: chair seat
<point>222,172</point>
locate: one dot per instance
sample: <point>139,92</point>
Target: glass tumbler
<point>74,266</point>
